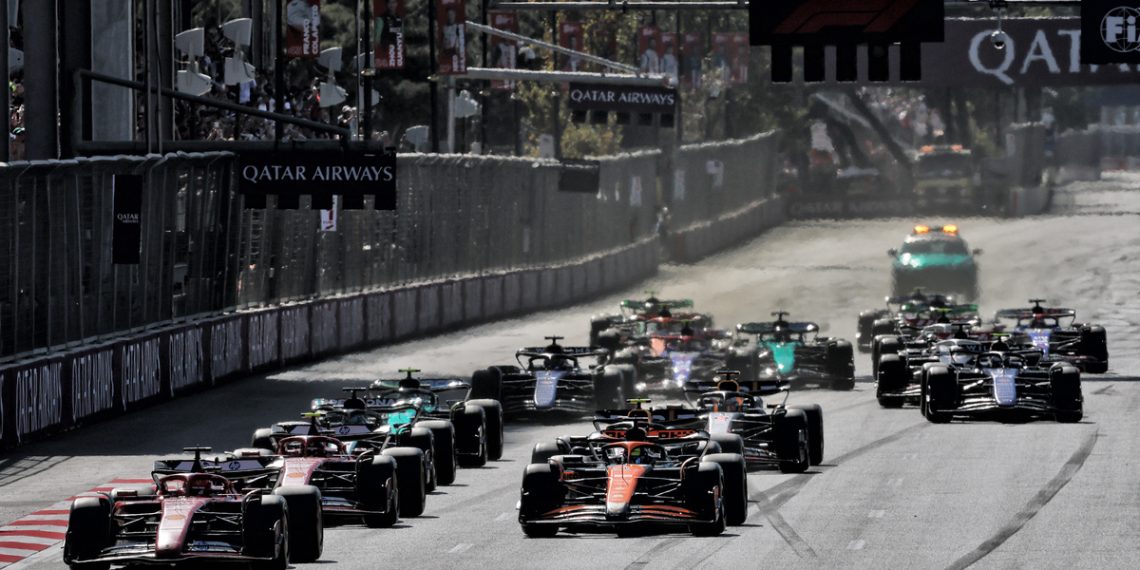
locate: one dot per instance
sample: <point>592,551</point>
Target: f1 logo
<point>874,16</point>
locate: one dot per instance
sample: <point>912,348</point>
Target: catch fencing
<point>220,292</point>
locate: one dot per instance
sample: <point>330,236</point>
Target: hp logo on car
<point>343,430</point>
<point>1118,29</point>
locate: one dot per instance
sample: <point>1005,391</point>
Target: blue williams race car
<point>1053,331</point>
<point>553,378</point>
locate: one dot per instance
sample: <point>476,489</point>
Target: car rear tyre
<point>263,439</point>
<point>265,531</point>
<point>841,365</point>
<point>728,442</point>
<point>409,479</point>
<point>814,415</point>
<point>792,442</point>
<point>88,531</point>
<point>541,493</point>
<point>378,490</point>
<point>486,383</point>
<point>940,394</point>
<point>734,492</point>
<point>607,389</point>
<point>471,429</point>
<point>307,529</point>
<point>493,432</point>
<point>443,455</point>
<point>544,450</point>
<point>1065,384</point>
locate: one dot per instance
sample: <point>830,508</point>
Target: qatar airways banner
<point>289,174</point>
<point>1033,52</point>
<point>621,99</point>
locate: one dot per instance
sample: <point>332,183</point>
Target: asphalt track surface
<point>893,492</point>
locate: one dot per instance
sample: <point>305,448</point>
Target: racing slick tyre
<point>265,531</point>
<point>443,442</point>
<point>866,329</point>
<point>471,439</point>
<point>700,491</point>
<point>378,491</point>
<point>263,439</point>
<point>814,414</point>
<point>734,472</point>
<point>1094,343</point>
<point>541,493</point>
<point>544,450</point>
<point>423,439</point>
<point>486,383</point>
<point>493,434</point>
<point>792,442</point>
<point>609,340</point>
<point>728,442</point>
<point>598,325</point>
<point>883,344</point>
<point>409,479</point>
<point>607,389</point>
<point>882,327</point>
<point>892,378</point>
<point>1065,384</point>
<point>939,393</point>
<point>88,532</point>
<point>306,528</point>
<point>841,365</point>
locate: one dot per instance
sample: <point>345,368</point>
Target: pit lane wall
<point>47,392</point>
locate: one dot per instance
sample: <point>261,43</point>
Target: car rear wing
<point>755,387</point>
<point>664,415</point>
<point>571,351</point>
<point>257,471</point>
<point>1023,314</point>
<point>433,384</point>
<point>637,304</point>
<point>770,327</point>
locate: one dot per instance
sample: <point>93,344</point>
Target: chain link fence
<point>202,253</point>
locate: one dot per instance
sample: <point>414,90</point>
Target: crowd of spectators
<point>16,132</point>
<point>201,122</point>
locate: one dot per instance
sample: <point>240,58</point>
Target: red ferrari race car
<point>193,517</point>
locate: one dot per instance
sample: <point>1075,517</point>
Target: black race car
<point>1054,331</point>
<point>1000,383</point>
<point>552,378</point>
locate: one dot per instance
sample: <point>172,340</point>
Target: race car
<point>997,383</point>
<point>666,344</point>
<point>901,359</point>
<point>691,358</point>
<point>916,309</point>
<point>936,258</point>
<point>633,311</point>
<point>791,351</point>
<point>552,378</point>
<point>1053,330</point>
<point>477,441</point>
<point>344,487</point>
<point>629,475</point>
<point>379,431</point>
<point>193,517</point>
<point>775,436</point>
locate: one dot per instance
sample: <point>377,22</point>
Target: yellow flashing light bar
<point>921,229</point>
<point>950,229</point>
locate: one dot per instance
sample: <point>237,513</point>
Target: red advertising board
<point>451,36</point>
<point>302,28</point>
<point>388,33</point>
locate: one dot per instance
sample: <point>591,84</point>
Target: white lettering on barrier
<point>1040,52</point>
<point>140,368</point>
<point>225,348</point>
<point>92,384</point>
<point>185,364</point>
<point>262,339</point>
<point>39,398</point>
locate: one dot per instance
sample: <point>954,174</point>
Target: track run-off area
<point>893,490</point>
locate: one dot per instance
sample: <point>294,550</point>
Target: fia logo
<point>1118,29</point>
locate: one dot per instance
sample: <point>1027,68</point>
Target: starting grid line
<point>45,528</point>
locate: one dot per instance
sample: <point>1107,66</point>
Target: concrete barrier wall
<point>66,390</point>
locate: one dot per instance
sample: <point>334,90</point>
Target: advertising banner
<point>388,33</point>
<point>126,226</point>
<point>302,32</point>
<point>294,172</point>
<point>621,98</point>
<point>451,36</point>
<point>504,52</point>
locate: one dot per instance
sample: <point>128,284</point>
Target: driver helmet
<point>636,434</point>
<point>641,455</point>
<point>999,345</point>
<point>561,364</point>
<point>316,448</point>
<point>200,487</point>
<point>356,418</point>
